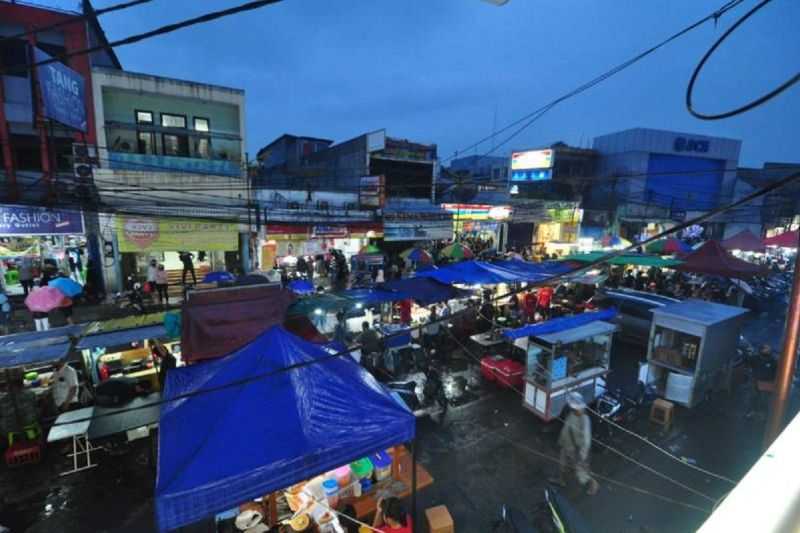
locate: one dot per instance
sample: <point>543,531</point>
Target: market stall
<point>564,355</point>
<point>276,429</point>
<point>691,344</point>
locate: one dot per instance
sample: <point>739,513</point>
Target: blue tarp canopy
<point>470,273</point>
<point>125,336</point>
<point>373,296</point>
<point>560,324</point>
<point>30,348</point>
<point>425,290</point>
<point>533,272</point>
<point>240,442</point>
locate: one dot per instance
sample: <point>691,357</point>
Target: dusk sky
<point>445,71</point>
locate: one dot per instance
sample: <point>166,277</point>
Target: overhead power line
<point>531,117</point>
<point>76,18</point>
<point>748,106</point>
<point>163,30</point>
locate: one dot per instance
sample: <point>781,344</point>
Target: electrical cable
<point>536,114</point>
<point>748,106</point>
<point>76,18</point>
<point>347,352</point>
<point>169,28</point>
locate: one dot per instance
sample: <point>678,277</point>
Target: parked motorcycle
<point>423,392</point>
<point>620,408</point>
<point>132,298</point>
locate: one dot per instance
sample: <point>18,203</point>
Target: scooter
<point>132,298</point>
<point>621,409</point>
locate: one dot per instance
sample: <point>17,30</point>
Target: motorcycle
<point>132,298</point>
<point>423,392</point>
<point>620,408</point>
<point>554,515</point>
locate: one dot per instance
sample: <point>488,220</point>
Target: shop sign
<point>329,232</point>
<point>478,211</point>
<point>158,234</point>
<point>568,215</point>
<point>372,191</point>
<point>683,144</point>
<point>23,220</point>
<point>62,92</point>
<point>417,231</point>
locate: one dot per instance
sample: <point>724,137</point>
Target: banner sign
<point>329,232</point>
<point>417,231</point>
<point>62,92</point>
<point>372,191</point>
<point>156,234</point>
<point>23,220</point>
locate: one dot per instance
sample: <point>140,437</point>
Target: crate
<point>23,453</point>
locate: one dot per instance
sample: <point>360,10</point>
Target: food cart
<point>691,344</point>
<point>564,355</point>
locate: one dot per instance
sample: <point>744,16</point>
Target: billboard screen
<point>62,92</point>
<point>532,165</point>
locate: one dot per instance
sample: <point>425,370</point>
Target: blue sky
<point>446,71</point>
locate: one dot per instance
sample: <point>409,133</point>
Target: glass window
<point>173,121</point>
<point>146,143</point>
<point>176,145</point>
<point>203,147</point>
<point>144,117</point>
<point>201,124</point>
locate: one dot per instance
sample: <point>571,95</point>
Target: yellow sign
<point>156,234</point>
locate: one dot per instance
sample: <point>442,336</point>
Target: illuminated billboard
<point>532,165</point>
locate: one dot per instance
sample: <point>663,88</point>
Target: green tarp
<point>631,259</point>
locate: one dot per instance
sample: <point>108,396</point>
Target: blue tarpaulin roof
<point>528,271</point>
<point>560,324</point>
<point>35,347</point>
<point>125,336</point>
<point>424,290</point>
<point>373,296</point>
<point>219,449</point>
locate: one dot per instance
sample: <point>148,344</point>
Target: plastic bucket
<point>331,488</point>
<point>342,475</point>
<point>382,464</point>
<point>362,468</point>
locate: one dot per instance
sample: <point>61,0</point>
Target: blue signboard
<point>533,174</point>
<point>24,220</point>
<point>62,92</point>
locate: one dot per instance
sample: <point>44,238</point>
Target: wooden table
<point>366,504</point>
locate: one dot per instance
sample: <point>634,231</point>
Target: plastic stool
<point>661,413</point>
<point>23,453</point>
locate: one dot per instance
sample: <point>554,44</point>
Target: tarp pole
<point>414,485</point>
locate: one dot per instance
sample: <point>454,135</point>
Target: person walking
<point>26,275</point>
<point>575,442</point>
<point>187,258</point>
<point>162,285</point>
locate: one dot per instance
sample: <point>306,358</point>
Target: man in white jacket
<point>575,442</point>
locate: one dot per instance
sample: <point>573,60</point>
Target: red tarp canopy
<point>220,321</point>
<point>301,326</point>
<point>714,260</point>
<point>745,241</point>
<point>787,239</point>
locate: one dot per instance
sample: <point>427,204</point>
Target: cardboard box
<point>439,520</point>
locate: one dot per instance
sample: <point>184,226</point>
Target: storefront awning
<point>627,259</point>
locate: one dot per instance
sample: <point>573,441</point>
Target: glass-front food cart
<point>574,359</point>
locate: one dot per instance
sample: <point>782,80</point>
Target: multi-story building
<point>46,118</point>
<point>648,180</point>
<point>172,167</point>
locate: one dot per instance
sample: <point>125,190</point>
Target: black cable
<point>169,28</point>
<point>536,114</point>
<point>748,106</point>
<point>76,18</point>
<point>585,266</point>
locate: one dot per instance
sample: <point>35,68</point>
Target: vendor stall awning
<point>560,324</point>
<point>533,272</point>
<point>425,291</point>
<point>35,347</point>
<point>276,427</point>
<point>745,241</point>
<point>471,273</point>
<point>125,336</point>
<point>714,260</point>
<point>627,259</point>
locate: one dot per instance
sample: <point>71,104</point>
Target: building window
<point>175,145</point>
<point>144,117</point>
<point>173,121</point>
<point>146,142</point>
<point>14,57</point>
<point>202,124</point>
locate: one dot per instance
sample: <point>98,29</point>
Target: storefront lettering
<point>682,144</point>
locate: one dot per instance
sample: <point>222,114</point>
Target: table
<point>97,422</point>
<point>75,425</point>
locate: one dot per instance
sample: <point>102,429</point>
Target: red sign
<point>141,231</point>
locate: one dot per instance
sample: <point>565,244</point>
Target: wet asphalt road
<point>480,457</point>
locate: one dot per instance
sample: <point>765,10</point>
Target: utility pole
<point>786,364</point>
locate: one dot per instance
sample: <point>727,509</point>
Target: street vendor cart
<point>564,355</point>
<point>692,343</point>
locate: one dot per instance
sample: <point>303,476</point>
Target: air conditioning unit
<point>82,171</point>
<point>85,153</point>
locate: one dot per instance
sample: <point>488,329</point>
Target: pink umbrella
<point>45,299</point>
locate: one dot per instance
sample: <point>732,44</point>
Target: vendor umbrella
<point>67,286</point>
<point>787,239</point>
<point>669,246</point>
<point>217,277</point>
<point>614,240</point>
<point>456,251</point>
<point>45,299</point>
<point>416,254</point>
